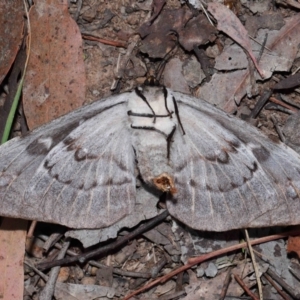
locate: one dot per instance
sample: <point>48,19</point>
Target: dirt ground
<point>209,58</point>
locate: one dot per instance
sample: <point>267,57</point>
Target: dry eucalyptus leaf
<point>227,90</point>
<point>55,78</point>
<point>293,245</point>
<point>221,90</point>
<point>232,26</point>
<point>12,236</point>
<point>11,33</point>
<point>270,20</point>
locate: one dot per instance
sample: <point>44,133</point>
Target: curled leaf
<point>232,26</point>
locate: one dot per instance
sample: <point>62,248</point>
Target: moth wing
<point>77,170</point>
<point>228,174</point>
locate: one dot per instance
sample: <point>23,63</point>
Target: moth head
<point>151,81</point>
<point>165,183</point>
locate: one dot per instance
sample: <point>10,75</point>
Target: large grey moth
<point>218,172</point>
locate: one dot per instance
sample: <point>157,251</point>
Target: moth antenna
<point>169,140</point>
<point>171,53</point>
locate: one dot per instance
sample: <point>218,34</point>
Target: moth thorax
<point>165,183</point>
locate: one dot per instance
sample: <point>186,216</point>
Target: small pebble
<point>211,270</point>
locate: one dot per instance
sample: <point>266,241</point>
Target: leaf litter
<point>229,87</point>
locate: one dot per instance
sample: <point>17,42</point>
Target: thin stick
<point>244,287</point>
<point>279,291</point>
<point>104,250</point>
<point>104,41</point>
<point>199,259</point>
<point>260,292</point>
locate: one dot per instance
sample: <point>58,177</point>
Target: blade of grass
<point>12,113</point>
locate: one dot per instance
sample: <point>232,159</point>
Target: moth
<point>218,172</point>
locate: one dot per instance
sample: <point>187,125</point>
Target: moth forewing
<point>72,170</point>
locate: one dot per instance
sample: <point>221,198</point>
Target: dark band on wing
<point>140,94</point>
<point>130,113</point>
<point>168,137</point>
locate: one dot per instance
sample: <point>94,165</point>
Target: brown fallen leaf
<point>293,245</point>
<point>280,58</point>
<point>55,79</point>
<point>271,20</point>
<point>12,241</point>
<point>229,23</point>
<point>11,33</point>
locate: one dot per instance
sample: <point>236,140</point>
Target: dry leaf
<point>288,83</point>
<point>12,241</point>
<point>55,79</point>
<point>11,33</point>
<point>293,245</point>
<point>232,26</point>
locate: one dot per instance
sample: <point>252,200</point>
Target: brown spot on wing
<point>165,183</point>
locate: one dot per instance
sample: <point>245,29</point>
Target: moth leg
<point>177,115</point>
<point>165,91</point>
<point>169,140</point>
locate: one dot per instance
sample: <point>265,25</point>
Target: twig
<point>56,245</point>
<point>288,101</point>
<point>260,103</point>
<point>104,41</point>
<point>172,296</point>
<point>121,272</point>
<point>225,285</point>
<point>31,229</point>
<point>78,9</point>
<point>279,291</point>
<point>197,260</point>
<point>283,284</point>
<point>278,130</point>
<point>279,102</point>
<point>52,240</point>
<point>103,250</point>
<point>259,43</point>
<point>40,273</point>
<point>48,291</point>
<point>262,48</point>
<point>244,287</point>
<point>254,265</point>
